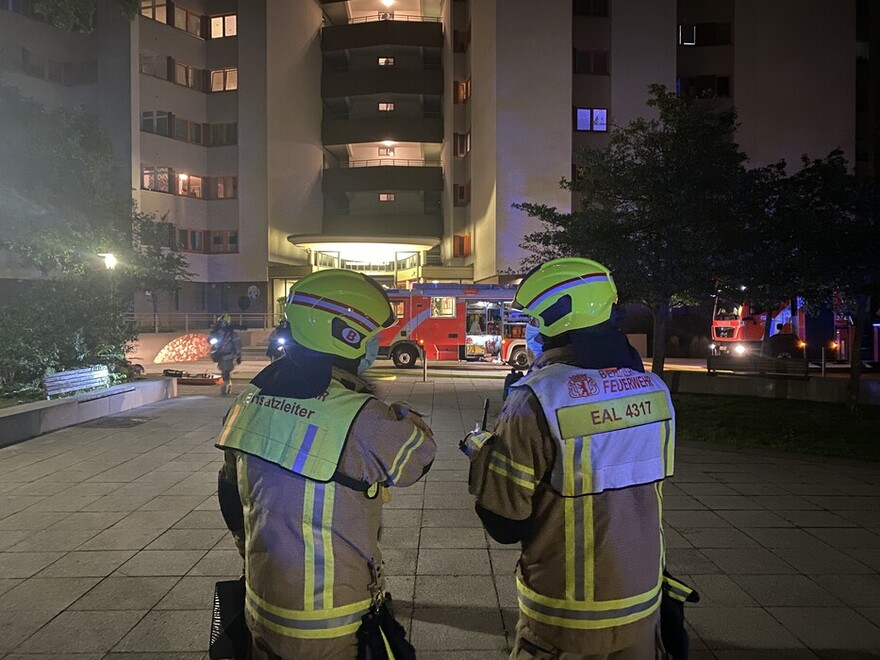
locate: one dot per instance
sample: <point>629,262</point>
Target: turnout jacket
<point>310,475</point>
<point>579,457</point>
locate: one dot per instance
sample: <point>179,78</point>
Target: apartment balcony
<point>348,129</point>
<point>386,28</point>
<point>383,225</point>
<point>382,80</point>
<point>383,174</point>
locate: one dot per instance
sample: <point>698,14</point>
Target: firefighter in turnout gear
<point>309,453</point>
<point>574,470</point>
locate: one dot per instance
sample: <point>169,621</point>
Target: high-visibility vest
<point>613,428</point>
<point>305,436</point>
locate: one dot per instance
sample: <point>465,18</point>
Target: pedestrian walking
<point>574,471</point>
<point>309,454</point>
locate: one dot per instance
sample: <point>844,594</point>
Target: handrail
<point>393,16</point>
<point>424,114</point>
<point>195,321</point>
<point>381,162</point>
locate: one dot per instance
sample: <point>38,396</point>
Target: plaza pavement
<point>111,541</point>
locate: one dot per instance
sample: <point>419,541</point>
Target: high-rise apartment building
<point>394,136</point>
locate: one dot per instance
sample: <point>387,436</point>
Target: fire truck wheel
<point>519,358</point>
<point>405,357</point>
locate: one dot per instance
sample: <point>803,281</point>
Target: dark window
<point>590,7</point>
<point>590,61</point>
<point>704,34</point>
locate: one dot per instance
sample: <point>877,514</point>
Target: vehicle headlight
<point>740,349</point>
<point>712,347</point>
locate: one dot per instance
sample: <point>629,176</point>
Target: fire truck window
<point>442,307</point>
<point>399,309</point>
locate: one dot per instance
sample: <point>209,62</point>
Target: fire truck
<point>455,322</point>
<point>738,329</point>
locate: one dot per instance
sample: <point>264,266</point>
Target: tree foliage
<point>78,15</point>
<point>63,201</point>
<point>656,206</point>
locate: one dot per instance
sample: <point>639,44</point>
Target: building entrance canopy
<point>369,254</point>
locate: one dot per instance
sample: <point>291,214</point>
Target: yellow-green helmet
<point>567,294</point>
<point>336,311</point>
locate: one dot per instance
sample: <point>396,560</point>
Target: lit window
<point>461,144</point>
<point>399,309</point>
<point>224,26</point>
<point>189,186</point>
<point>386,197</point>
<point>224,80</point>
<point>461,90</point>
<point>386,107</point>
<point>156,178</point>
<point>225,187</point>
<point>687,35</point>
<point>386,61</point>
<point>443,307</point>
<point>155,9</point>
<point>591,119</point>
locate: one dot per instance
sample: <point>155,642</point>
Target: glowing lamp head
<point>387,3</point>
<point>213,341</point>
<point>281,341</point>
<point>740,349</point>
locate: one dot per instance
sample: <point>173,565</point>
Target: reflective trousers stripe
<point>585,615</point>
<point>316,624</point>
<point>319,565</point>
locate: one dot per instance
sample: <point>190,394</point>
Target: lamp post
<point>110,262</point>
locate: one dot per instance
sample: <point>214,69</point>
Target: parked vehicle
<point>455,322</point>
<point>738,330</point>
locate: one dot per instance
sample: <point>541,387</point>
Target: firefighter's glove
<point>672,630</point>
<point>473,442</point>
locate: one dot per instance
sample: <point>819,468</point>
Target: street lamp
<point>109,260</point>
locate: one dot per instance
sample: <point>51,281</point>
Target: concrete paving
<point>111,541</point>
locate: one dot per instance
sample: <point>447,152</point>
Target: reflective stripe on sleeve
<point>404,454</point>
<point>518,473</point>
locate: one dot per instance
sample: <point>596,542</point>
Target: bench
<point>76,380</point>
<point>758,364</point>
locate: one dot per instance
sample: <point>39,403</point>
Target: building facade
<point>393,137</point>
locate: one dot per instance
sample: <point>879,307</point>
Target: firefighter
<point>308,454</point>
<point>225,351</point>
<point>573,471</point>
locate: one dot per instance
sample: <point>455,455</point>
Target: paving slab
<point>111,541</point>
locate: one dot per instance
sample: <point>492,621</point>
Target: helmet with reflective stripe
<point>567,294</point>
<point>337,311</point>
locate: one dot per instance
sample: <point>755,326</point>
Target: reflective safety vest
<point>305,436</point>
<point>613,427</point>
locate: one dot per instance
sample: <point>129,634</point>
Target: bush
<point>62,324</point>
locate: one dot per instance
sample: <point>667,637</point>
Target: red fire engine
<point>455,322</point>
<point>739,330</point>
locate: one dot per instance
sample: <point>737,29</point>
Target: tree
<point>62,202</point>
<point>838,243</point>
<point>153,265</point>
<point>78,15</point>
<point>657,206</point>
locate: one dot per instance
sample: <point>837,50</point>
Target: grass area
<point>8,402</point>
<point>802,427</point>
